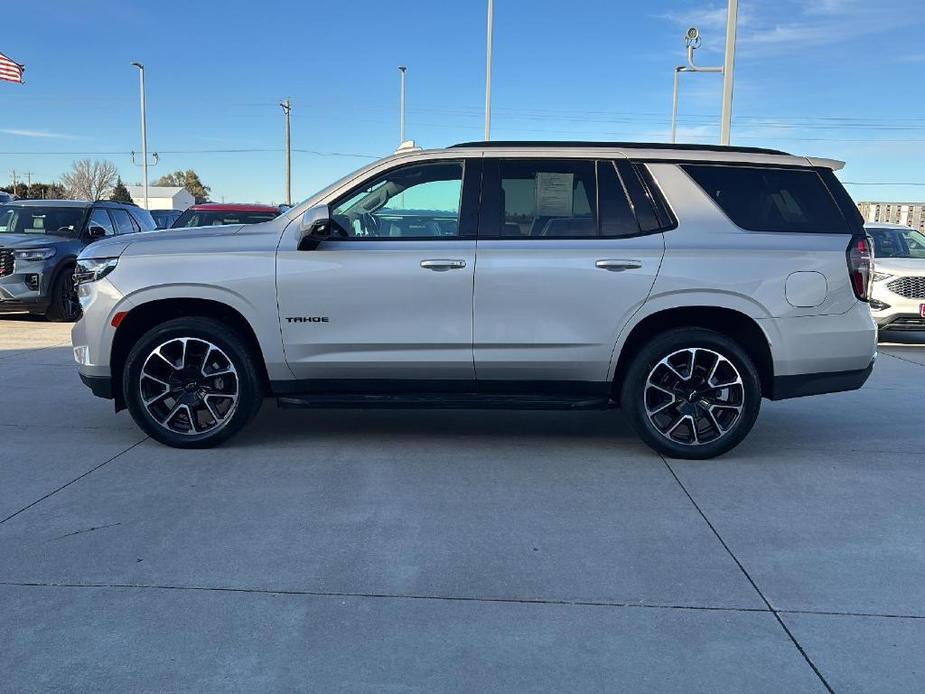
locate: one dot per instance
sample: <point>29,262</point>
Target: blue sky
<point>835,78</point>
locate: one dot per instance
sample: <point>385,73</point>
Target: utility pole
<point>13,176</point>
<point>287,111</point>
<point>144,130</point>
<point>28,175</point>
<point>732,19</point>
<point>401,138</point>
<point>488,62</point>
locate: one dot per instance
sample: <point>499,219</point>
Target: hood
<point>8,240</point>
<point>115,246</point>
<point>900,266</point>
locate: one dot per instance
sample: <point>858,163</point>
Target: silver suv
<point>682,283</point>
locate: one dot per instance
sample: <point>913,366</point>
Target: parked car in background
<point>682,283</point>
<point>39,244</point>
<point>898,292</point>
<point>5,197</point>
<point>165,218</point>
<point>221,214</point>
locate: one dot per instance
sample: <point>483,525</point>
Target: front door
<point>389,297</point>
<point>563,262</point>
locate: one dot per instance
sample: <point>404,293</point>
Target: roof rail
<point>618,145</point>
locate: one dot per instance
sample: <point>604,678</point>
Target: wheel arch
<point>733,323</point>
<point>147,315</point>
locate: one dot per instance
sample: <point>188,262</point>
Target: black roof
<point>619,145</point>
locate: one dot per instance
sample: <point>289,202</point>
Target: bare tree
<point>90,180</point>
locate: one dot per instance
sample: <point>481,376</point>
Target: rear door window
<point>123,222</point>
<point>771,199</point>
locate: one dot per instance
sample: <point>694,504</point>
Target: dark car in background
<point>219,214</point>
<point>165,218</point>
<point>39,244</point>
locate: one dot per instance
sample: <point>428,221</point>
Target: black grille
<point>6,262</point>
<point>906,323</point>
<point>909,287</point>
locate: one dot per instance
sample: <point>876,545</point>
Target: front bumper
<point>36,305</point>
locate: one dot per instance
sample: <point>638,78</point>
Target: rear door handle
<point>441,264</point>
<point>615,265</point>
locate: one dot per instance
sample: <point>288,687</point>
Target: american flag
<point>10,70</point>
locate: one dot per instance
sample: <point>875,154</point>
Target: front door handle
<point>441,264</point>
<point>615,265</point>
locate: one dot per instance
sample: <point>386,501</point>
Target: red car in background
<point>217,214</point>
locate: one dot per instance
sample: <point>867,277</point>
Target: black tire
<point>64,306</point>
<point>708,423</point>
<point>200,334</point>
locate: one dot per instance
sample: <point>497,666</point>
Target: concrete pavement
<point>455,550</point>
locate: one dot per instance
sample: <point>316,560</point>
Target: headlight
<point>93,269</point>
<point>31,254</point>
<point>880,276</point>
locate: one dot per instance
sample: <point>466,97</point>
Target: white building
<point>162,197</point>
<point>912,214</point>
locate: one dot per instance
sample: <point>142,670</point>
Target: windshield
<point>41,220</point>
<point>898,243</point>
<point>207,218</point>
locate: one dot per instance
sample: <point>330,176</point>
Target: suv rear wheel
<point>692,393</point>
<point>191,383</point>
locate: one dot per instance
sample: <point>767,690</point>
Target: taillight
<point>861,266</point>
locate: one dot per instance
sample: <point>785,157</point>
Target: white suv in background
<point>682,283</point>
<point>898,293</point>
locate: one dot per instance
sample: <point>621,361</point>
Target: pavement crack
<point>86,530</point>
<point>748,577</point>
<point>76,479</point>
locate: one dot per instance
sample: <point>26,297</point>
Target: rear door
<point>563,262</point>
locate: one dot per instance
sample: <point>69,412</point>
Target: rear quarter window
<point>771,199</point>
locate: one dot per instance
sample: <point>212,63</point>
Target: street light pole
<point>144,130</point>
<point>488,62</point>
<point>401,138</point>
<point>287,111</point>
<point>692,39</point>
<point>732,20</point>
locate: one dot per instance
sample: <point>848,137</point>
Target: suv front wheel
<point>692,393</point>
<point>191,383</point>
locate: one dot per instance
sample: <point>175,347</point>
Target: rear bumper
<point>100,386</point>
<point>801,385</point>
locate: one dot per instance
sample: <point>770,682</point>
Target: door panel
<point>390,298</point>
<point>544,310</point>
<point>563,262</point>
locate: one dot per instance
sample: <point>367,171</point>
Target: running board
<point>444,401</point>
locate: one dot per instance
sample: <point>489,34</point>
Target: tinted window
<point>769,199</point>
<point>123,222</point>
<point>547,198</point>
<point>143,218</point>
<point>207,218</point>
<point>897,243</point>
<point>42,220</point>
<point>417,201</point>
<point>617,217</point>
<point>100,218</point>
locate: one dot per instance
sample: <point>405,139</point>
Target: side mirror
<point>96,232</point>
<point>315,227</point>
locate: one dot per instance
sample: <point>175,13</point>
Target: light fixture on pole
<point>692,41</point>
<point>144,130</point>
<point>401,108</point>
<point>488,61</point>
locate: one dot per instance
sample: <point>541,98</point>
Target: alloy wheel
<point>189,386</point>
<point>694,396</point>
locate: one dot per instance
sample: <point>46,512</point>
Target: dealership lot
<point>457,550</point>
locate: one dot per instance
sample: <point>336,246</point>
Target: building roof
<point>154,191</point>
<point>233,207</point>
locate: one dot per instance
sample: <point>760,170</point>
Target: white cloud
<point>36,133</point>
